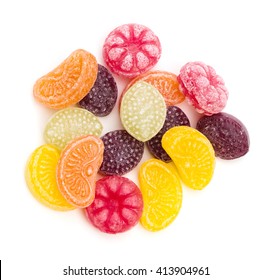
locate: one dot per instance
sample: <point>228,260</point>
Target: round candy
<point>69,123</point>
<point>142,111</point>
<point>122,153</point>
<point>41,178</point>
<point>227,134</point>
<point>117,206</point>
<point>162,194</point>
<point>103,95</point>
<point>165,82</point>
<point>77,169</point>
<point>131,49</point>
<point>203,88</point>
<point>192,154</point>
<point>68,83</point>
<point>174,117</point>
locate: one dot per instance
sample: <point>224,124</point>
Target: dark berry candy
<point>227,134</point>
<point>174,117</point>
<point>122,153</point>
<point>118,205</point>
<point>103,95</point>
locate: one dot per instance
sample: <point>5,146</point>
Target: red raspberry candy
<point>203,88</point>
<point>117,206</point>
<point>131,49</point>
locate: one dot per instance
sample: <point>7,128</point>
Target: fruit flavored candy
<point>142,111</point>
<point>122,153</point>
<point>162,194</point>
<point>69,82</point>
<point>131,49</point>
<point>69,123</point>
<point>203,88</point>
<point>41,178</point>
<point>192,154</point>
<point>77,169</point>
<point>165,82</point>
<point>117,206</point>
<point>103,95</point>
<point>174,117</point>
<point>227,134</point>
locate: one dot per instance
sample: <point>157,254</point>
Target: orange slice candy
<point>41,180</point>
<point>192,153</point>
<point>68,83</point>
<point>165,82</point>
<point>77,169</point>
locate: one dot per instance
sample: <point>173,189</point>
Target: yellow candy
<point>192,153</point>
<point>41,178</point>
<point>162,194</point>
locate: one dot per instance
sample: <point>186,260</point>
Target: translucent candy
<point>192,154</point>
<point>41,178</point>
<point>122,153</point>
<point>117,206</point>
<point>142,111</point>
<point>68,83</point>
<point>162,194</point>
<point>103,95</point>
<point>174,117</point>
<point>227,134</point>
<point>69,123</point>
<point>131,49</point>
<point>77,169</point>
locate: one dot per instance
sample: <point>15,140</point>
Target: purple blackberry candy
<point>227,134</point>
<point>103,95</point>
<point>122,153</point>
<point>174,117</point>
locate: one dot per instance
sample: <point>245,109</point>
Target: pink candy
<point>203,88</point>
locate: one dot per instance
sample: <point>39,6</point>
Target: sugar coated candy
<point>174,117</point>
<point>131,49</point>
<point>192,153</point>
<point>122,153</point>
<point>69,123</point>
<point>228,135</point>
<point>103,95</point>
<point>117,206</point>
<point>69,82</point>
<point>162,193</point>
<point>41,178</point>
<point>77,168</point>
<point>165,82</point>
<point>142,111</point>
<point>203,88</point>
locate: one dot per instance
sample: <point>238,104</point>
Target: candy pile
<point>63,173</point>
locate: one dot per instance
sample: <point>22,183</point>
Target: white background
<point>227,226</point>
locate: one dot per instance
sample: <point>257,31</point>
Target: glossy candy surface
<point>192,154</point>
<point>67,124</point>
<point>77,169</point>
<point>118,205</point>
<point>131,49</point>
<point>174,117</point>
<point>227,134</point>
<point>165,82</point>
<point>203,88</point>
<point>122,153</point>
<point>142,111</point>
<point>103,95</point>
<point>69,82</point>
<point>41,178</point>
<point>162,194</point>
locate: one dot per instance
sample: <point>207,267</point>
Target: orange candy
<point>165,82</point>
<point>77,169</point>
<point>68,83</point>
